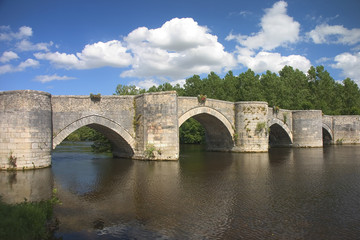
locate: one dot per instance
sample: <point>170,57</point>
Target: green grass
<point>26,220</point>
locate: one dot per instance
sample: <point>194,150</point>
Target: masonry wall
<point>307,128</point>
<point>282,114</point>
<point>26,129</point>
<point>251,126</point>
<point>68,109</point>
<point>225,108</point>
<point>346,129</point>
<point>160,126</point>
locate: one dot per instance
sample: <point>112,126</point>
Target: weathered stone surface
<point>146,126</point>
<point>26,125</point>
<point>307,128</point>
<point>251,126</point>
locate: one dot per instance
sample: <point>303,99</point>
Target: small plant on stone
<point>95,97</point>
<point>201,98</point>
<point>260,127</point>
<point>276,109</point>
<point>12,160</point>
<point>285,117</point>
<point>149,151</point>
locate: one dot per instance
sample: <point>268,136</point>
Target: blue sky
<point>80,47</point>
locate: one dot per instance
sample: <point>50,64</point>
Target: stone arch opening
<point>279,135</point>
<point>123,144</point>
<point>218,130</point>
<point>327,135</point>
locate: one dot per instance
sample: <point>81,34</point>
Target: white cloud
<point>8,56</point>
<point>146,84</point>
<point>338,34</point>
<point>7,68</point>
<point>274,62</point>
<point>177,49</point>
<point>7,34</point>
<point>96,55</point>
<point>323,60</point>
<point>349,64</point>
<point>26,45</point>
<point>49,78</point>
<point>181,82</point>
<point>277,29</point>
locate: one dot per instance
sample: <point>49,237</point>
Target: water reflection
<point>284,194</point>
<point>32,185</point>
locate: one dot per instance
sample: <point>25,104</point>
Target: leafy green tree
<point>193,86</point>
<point>191,131</point>
<point>350,98</point>
<point>324,91</point>
<point>128,90</point>
<point>230,87</point>
<point>249,87</point>
<point>294,87</point>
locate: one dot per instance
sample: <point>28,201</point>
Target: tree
<point>249,87</point>
<point>128,90</point>
<point>350,98</point>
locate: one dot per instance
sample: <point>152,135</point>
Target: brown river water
<point>283,194</point>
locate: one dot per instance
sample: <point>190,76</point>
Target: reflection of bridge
<point>147,126</point>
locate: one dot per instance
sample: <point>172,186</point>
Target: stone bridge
<point>146,126</point>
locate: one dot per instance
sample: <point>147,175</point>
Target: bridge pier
<point>26,129</point>
<point>251,127</point>
<point>156,123</point>
<point>307,128</point>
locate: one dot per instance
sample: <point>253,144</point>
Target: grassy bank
<point>27,220</point>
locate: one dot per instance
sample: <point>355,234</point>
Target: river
<point>283,194</point>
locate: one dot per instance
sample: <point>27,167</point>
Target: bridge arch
<point>218,129</point>
<point>123,143</point>
<point>327,134</point>
<point>280,134</point>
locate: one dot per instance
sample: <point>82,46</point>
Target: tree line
<point>289,89</point>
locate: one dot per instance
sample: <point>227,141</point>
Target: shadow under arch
<point>218,129</point>
<point>122,142</point>
<point>327,134</point>
<point>280,134</point>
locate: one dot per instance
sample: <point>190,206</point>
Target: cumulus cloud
<point>49,78</point>
<point>177,49</point>
<point>6,34</point>
<point>96,55</point>
<point>349,64</point>
<point>8,56</point>
<point>274,62</point>
<point>26,45</point>
<point>7,68</point>
<point>337,34</point>
<point>146,84</point>
<point>277,29</point>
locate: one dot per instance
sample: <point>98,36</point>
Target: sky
<point>78,47</point>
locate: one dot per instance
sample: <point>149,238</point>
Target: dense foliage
<point>289,89</point>
<point>101,143</point>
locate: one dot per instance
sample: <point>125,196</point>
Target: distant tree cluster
<point>289,89</point>
<point>100,142</point>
